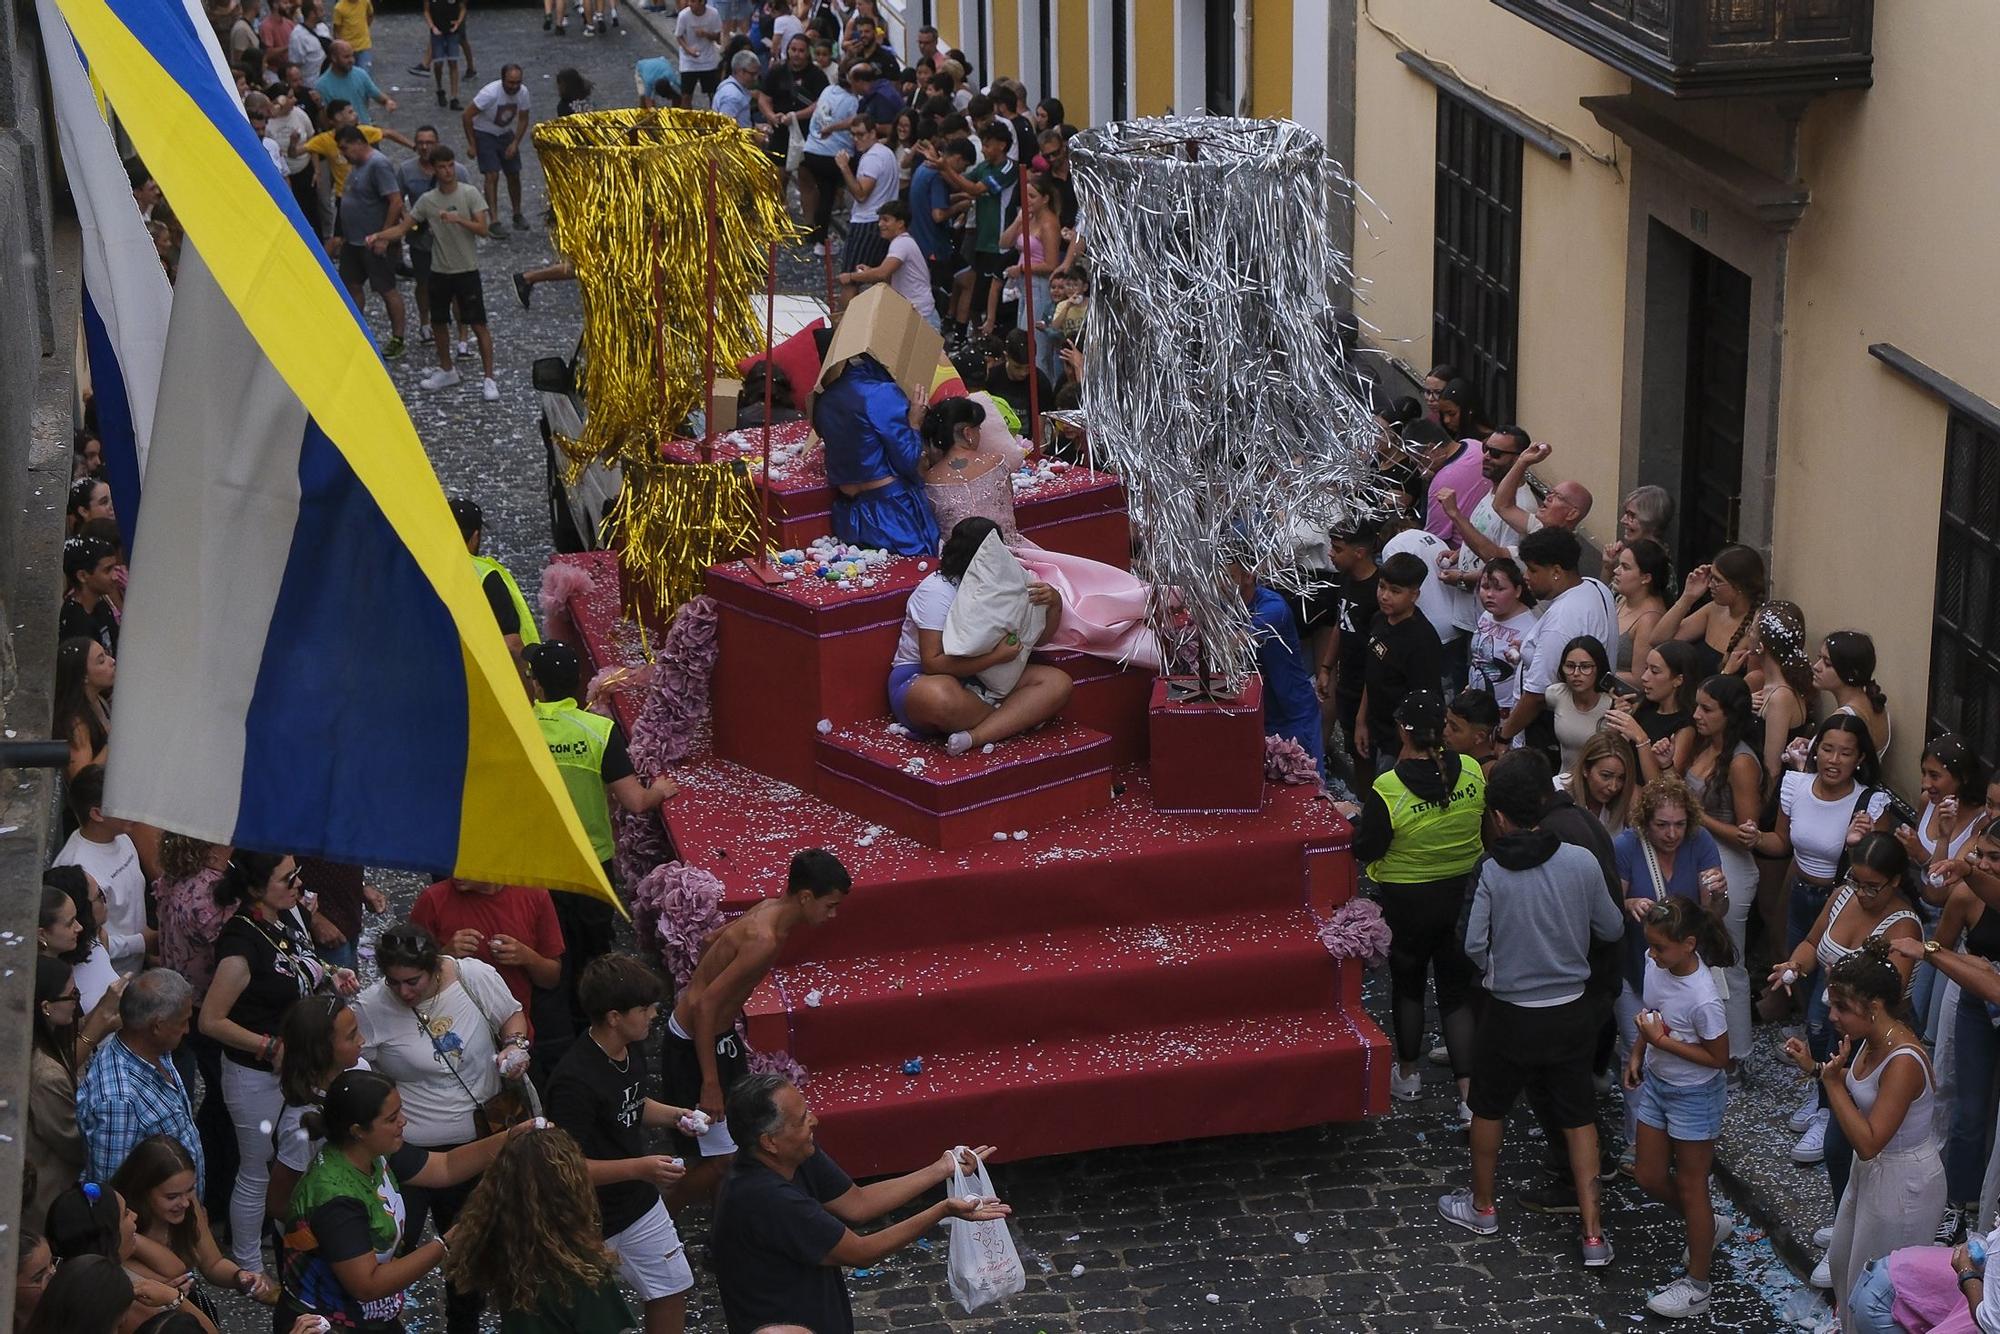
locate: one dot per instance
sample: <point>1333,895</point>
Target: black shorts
<point>1516,1048</point>
<point>680,1076</point>
<point>708,80</point>
<point>457,289</point>
<point>361,264</point>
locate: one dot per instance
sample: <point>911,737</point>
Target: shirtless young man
<point>700,1055</point>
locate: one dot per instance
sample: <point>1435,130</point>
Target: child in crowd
<point>1403,655</point>
<point>1470,724</point>
<point>1072,293</point>
<point>1677,1076</point>
<point>1505,622</point>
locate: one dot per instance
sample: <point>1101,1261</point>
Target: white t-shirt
<point>703,32</point>
<point>305,50</point>
<point>495,110</point>
<point>783,29</point>
<point>878,166</point>
<point>1819,828</point>
<point>428,1064</point>
<point>1497,650</point>
<point>295,1147</point>
<point>1434,600</point>
<point>1692,1011</point>
<point>1488,524</point>
<point>1587,609</point>
<point>115,868</point>
<point>912,281</point>
<point>282,128</point>
<point>930,601</point>
<point>93,977</point>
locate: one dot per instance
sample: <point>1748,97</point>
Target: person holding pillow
<point>934,692</point>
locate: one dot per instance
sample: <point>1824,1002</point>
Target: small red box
<point>1207,752</point>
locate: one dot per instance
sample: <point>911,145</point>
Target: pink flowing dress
<point>1104,607</point>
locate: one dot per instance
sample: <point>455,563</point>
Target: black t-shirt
<point>1661,724</point>
<point>101,624</point>
<point>444,13</point>
<point>617,761</point>
<point>1355,612</point>
<point>792,90</point>
<point>1401,658</point>
<point>502,602</point>
<point>604,1109</point>
<point>341,1224</point>
<point>283,967</point>
<point>770,1238</point>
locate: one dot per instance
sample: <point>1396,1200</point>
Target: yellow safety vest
<point>1431,841</point>
<point>577,739</point>
<point>486,565</point>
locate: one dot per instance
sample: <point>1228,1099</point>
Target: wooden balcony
<point>1718,48</point>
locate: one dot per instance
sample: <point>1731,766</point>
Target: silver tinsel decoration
<point>1215,381</point>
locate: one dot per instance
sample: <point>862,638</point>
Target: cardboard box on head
<point>883,325</point>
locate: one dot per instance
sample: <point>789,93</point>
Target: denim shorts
<point>1685,1112</point>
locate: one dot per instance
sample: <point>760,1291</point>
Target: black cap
<point>555,667</point>
<point>1421,711</point>
<point>471,519</point>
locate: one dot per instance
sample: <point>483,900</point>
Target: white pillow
<point>992,603</point>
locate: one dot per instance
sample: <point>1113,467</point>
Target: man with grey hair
<point>784,1222</point>
<point>131,1089</point>
<point>733,97</point>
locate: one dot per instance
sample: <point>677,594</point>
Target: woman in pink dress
<point>1104,608</point>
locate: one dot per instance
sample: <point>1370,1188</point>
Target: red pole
<point>770,334</point>
<point>1028,322</point>
<point>831,308</point>
<point>708,353</point>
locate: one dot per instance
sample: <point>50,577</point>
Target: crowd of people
<point>1589,798</point>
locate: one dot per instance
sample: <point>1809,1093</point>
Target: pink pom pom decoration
<point>1286,761</point>
<point>1357,931</point>
<point>675,910</point>
<point>562,581</point>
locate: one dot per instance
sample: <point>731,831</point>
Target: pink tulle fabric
<point>561,581</point>
<point>1356,931</point>
<point>1286,761</point>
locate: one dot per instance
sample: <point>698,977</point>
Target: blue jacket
<point>864,418</point>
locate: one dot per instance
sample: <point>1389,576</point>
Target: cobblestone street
<point>1329,1228</point>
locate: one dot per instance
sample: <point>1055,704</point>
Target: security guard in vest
<point>1419,837</point>
<point>517,623</point>
<point>589,751</point>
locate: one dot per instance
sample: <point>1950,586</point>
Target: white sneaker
<point>1801,1118</point>
<point>1682,1299</point>
<point>1440,1055</point>
<point>1822,1274</point>
<point>489,390</point>
<point>1408,1087</point>
<point>464,347</point>
<point>1823,1238</point>
<point>1464,1115</point>
<point>1725,1228</point>
<point>1811,1147</point>
<point>441,379</point>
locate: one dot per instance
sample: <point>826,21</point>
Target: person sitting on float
<point>935,693</point>
<point>1103,607</point>
<point>874,461</point>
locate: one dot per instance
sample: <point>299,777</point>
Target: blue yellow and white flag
<point>306,663</point>
<point>125,291</point>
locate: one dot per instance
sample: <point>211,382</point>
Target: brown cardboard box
<point>888,328</point>
<point>727,392</point>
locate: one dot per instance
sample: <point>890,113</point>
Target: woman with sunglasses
<point>1870,904</point>
<point>264,962</point>
<point>61,1046</point>
<point>446,1031</point>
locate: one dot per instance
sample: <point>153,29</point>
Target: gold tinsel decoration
<point>629,191</point>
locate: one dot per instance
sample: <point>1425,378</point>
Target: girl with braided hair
<point>1880,1087</point>
<point>1780,671</point>
<point>1736,586</point>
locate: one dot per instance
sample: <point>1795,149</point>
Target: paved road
<point>1332,1228</point>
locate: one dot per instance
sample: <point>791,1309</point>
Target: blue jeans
<point>1802,909</point>
<point>1870,1307</point>
<point>1820,1037</point>
<point>337,956</point>
<point>1975,1045</point>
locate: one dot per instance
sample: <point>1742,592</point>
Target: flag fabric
<point>125,293</point>
<point>307,663</point>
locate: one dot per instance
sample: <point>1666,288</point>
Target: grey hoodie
<point>1539,904</point>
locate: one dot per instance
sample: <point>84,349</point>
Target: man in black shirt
<point>783,1227</point>
<point>598,1094</point>
<point>1403,652</point>
<point>88,565</point>
<point>1343,655</point>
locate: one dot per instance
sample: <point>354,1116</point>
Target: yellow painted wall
<point>1271,57</point>
<point>949,37</point>
<point>1896,247</point>
<point>1006,40</point>
<point>1152,28</point>
<point>1572,272</point>
<point>1074,35</point>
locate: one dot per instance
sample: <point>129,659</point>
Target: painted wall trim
<point>1936,382</point>
<point>1533,132</point>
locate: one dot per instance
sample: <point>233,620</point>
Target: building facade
<point>1730,247</point>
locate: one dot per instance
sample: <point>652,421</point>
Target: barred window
<point>1965,639</point>
<point>1474,312</point>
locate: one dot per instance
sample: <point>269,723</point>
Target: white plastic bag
<point>983,1266</point>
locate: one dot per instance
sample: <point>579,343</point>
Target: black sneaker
<point>455,105</point>
<point>522,289</point>
<point>547,23</point>
<point>1557,1198</point>
<point>424,70</point>
<point>440,93</point>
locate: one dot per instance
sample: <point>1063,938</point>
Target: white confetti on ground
<point>825,725</point>
<point>814,997</point>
